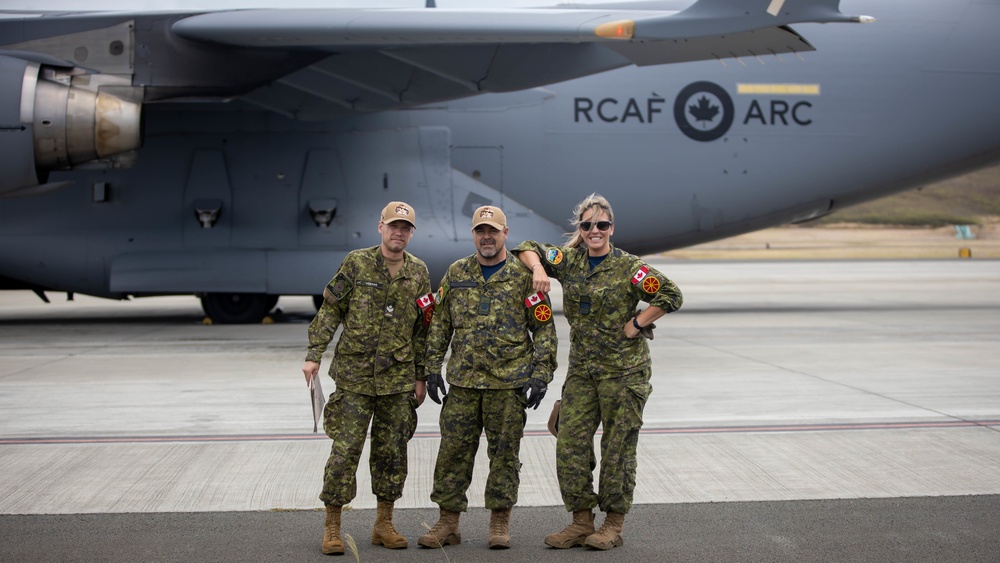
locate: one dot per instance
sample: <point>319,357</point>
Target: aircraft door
<point>480,183</point>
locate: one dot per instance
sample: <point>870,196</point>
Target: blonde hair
<point>594,201</point>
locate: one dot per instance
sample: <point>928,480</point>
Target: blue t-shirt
<point>490,270</point>
<point>595,261</point>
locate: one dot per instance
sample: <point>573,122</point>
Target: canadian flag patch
<point>535,299</point>
<point>425,301</point>
<point>426,304</point>
<point>640,275</point>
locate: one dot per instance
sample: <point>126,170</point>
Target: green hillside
<point>973,199</point>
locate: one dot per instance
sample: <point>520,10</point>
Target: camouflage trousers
<point>464,416</point>
<point>587,403</point>
<point>393,420</point>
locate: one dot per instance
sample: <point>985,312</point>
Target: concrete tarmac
<point>802,411</point>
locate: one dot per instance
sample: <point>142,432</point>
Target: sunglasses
<point>601,225</point>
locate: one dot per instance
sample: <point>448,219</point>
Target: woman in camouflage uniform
<point>607,382</point>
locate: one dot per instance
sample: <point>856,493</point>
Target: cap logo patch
<point>543,313</point>
<point>554,256</point>
<point>651,284</point>
<point>402,210</point>
<point>488,213</point>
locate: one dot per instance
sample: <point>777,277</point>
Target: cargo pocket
<point>329,424</point>
<point>636,396</point>
<point>404,353</point>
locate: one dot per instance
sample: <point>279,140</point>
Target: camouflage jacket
<point>501,331</point>
<point>598,303</point>
<point>381,350</point>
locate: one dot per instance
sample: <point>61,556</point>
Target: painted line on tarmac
<point>676,430</point>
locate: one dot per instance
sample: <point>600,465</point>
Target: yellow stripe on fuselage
<point>786,89</point>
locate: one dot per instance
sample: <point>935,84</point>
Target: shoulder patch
<point>640,275</point>
<point>337,289</point>
<point>543,313</point>
<point>539,307</point>
<point>534,299</point>
<point>425,301</point>
<point>426,304</point>
<point>554,256</point>
<point>651,284</point>
<point>648,283</point>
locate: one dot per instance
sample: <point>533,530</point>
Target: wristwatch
<point>635,322</point>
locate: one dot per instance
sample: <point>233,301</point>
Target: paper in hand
<point>318,401</point>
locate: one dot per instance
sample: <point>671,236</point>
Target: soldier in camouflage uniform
<point>607,382</point>
<point>503,353</point>
<point>382,297</point>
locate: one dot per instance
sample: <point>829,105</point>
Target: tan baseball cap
<point>399,211</point>
<point>489,215</point>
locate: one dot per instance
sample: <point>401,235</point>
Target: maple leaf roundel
<point>704,111</point>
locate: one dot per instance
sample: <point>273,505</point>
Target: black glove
<point>435,383</point>
<point>535,389</point>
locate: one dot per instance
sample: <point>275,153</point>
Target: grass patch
<point>972,199</point>
<point>905,218</point>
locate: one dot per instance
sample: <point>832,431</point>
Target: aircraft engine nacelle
<point>47,124</point>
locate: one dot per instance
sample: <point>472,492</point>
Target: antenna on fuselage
<point>430,4</point>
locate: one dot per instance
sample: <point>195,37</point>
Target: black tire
<point>237,308</point>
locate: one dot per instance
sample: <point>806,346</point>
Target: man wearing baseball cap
<point>503,354</point>
<point>382,297</point>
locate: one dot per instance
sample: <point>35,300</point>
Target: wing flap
<point>772,41</point>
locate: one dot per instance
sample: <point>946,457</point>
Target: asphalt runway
<point>802,411</point>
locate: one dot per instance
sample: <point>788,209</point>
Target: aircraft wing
<point>313,64</point>
<point>73,84</point>
<point>387,58</point>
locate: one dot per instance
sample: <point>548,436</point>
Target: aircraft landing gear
<point>237,308</point>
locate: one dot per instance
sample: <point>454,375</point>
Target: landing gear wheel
<point>237,308</point>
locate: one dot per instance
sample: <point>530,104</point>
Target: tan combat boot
<point>384,533</point>
<point>445,531</point>
<point>332,544</point>
<point>610,534</point>
<point>574,534</point>
<point>500,528</point>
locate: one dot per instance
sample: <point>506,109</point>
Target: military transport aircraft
<point>238,154</point>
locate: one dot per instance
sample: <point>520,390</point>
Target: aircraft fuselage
<point>230,198</point>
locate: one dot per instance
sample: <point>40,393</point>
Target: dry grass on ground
<point>972,199</point>
<point>847,242</point>
<point>917,224</point>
